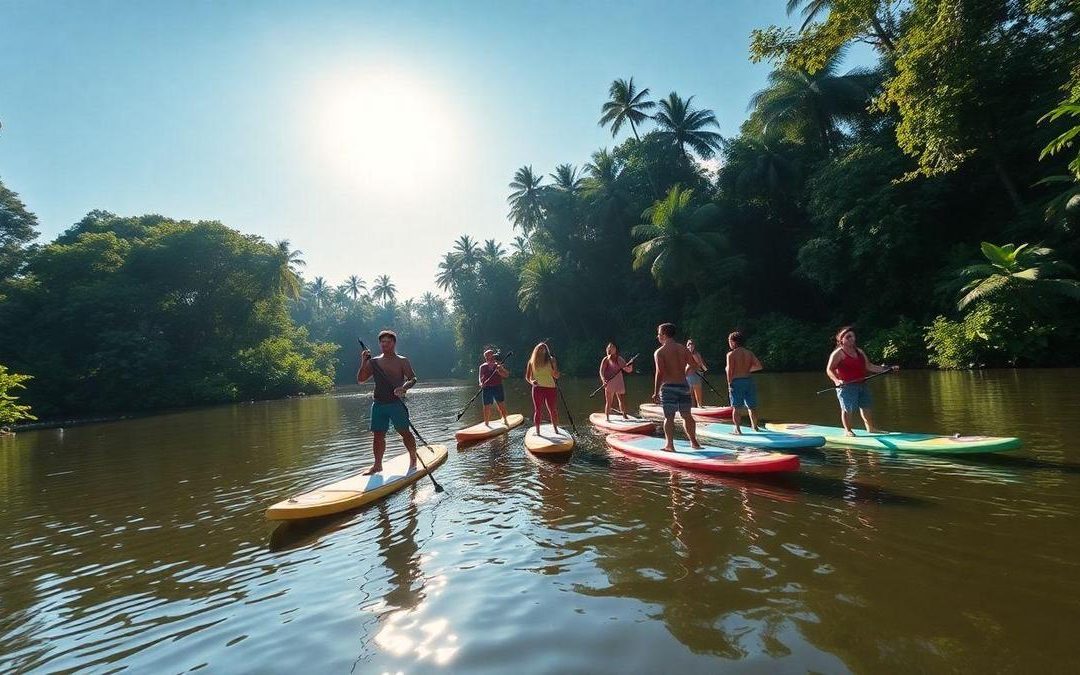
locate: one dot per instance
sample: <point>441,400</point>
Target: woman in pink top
<point>612,368</point>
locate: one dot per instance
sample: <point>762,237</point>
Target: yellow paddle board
<point>547,441</point>
<point>479,432</point>
<point>355,491</point>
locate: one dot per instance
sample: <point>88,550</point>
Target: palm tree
<point>451,272</point>
<point>605,180</point>
<point>521,245</point>
<point>384,290</point>
<point>678,241</point>
<point>815,105</point>
<point>567,179</point>
<point>355,287</point>
<point>432,307</point>
<point>407,308</point>
<point>681,126</point>
<point>625,104</point>
<point>467,250</point>
<point>287,275</point>
<point>319,291</point>
<point>526,200</point>
<point>493,251</point>
<point>1031,273</point>
<point>762,161</point>
<point>541,286</point>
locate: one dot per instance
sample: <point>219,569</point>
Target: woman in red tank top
<point>847,368</point>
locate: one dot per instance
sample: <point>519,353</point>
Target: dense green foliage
<point>11,410</point>
<point>125,314</point>
<point>862,196</point>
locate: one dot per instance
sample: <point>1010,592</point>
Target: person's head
<point>690,345</point>
<point>665,332</point>
<point>845,337</point>
<point>387,341</point>
<point>489,355</point>
<point>612,349</point>
<point>736,339</point>
<point>540,355</point>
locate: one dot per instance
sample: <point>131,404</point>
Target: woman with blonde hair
<point>541,372</point>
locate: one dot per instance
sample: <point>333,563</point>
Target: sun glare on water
<point>385,130</point>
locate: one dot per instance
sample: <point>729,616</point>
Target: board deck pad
<point>547,441</point>
<point>770,440</point>
<point>633,425</point>
<point>894,440</point>
<point>358,490</point>
<point>710,459</point>
<point>481,431</point>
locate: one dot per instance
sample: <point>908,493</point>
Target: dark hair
<point>611,343</point>
<point>390,334</point>
<point>667,329</point>
<point>737,337</point>
<point>840,333</point>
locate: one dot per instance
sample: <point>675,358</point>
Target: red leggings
<point>543,396</point>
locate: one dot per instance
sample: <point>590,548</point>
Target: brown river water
<point>142,546</point>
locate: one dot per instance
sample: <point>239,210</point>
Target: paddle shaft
<point>558,389</point>
<point>482,385</point>
<point>628,363</point>
<point>865,379</point>
<point>700,374</point>
<point>376,370</point>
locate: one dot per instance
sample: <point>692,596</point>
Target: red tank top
<point>851,367</point>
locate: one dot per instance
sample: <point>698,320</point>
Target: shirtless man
<point>741,390</point>
<point>395,377</point>
<point>670,388</point>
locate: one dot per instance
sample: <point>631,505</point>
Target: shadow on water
<point>1013,462</point>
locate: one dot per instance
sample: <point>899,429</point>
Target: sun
<point>385,129</point>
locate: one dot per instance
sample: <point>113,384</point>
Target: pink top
<point>615,372</point>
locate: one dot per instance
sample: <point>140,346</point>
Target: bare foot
<point>737,432</point>
<point>376,468</point>
<point>696,446</point>
<point>668,449</point>
<point>755,429</point>
<point>849,432</point>
<point>556,429</point>
<point>875,431</point>
<point>506,422</point>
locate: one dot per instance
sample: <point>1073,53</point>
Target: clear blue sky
<point>370,135</point>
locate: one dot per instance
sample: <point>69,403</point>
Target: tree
<point>355,287</point>
<point>384,290</point>
<point>625,105</point>
<point>567,179</point>
<point>1031,274</point>
<point>679,240</point>
<point>828,25</point>
<point>18,227</point>
<point>493,251</point>
<point>526,200</point>
<point>681,125</point>
<point>812,107</point>
<point>287,274</point>
<point>319,291</point>
<point>451,272</point>
<point>541,287</point>
<point>467,251</point>
<point>11,411</point>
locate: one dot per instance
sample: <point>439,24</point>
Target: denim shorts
<point>852,397</point>
<point>743,392</point>
<point>675,398</point>
<point>494,393</point>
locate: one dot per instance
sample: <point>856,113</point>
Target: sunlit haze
<point>369,135</point>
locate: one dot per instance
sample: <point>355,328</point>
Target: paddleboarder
<point>741,390</point>
<point>670,388</point>
<point>693,373</point>
<point>541,372</point>
<point>612,367</point>
<point>847,368</point>
<point>490,377</point>
<point>386,406</point>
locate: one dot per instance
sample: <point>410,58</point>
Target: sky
<point>369,134</point>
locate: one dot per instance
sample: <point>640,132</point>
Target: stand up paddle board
<point>895,440</point>
<point>712,460</point>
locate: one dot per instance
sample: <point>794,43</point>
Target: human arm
<point>554,368</point>
<point>626,366</point>
<point>876,368</point>
<point>729,367</point>
<point>410,378</point>
<point>529,374</point>
<point>364,374</point>
<point>657,378</point>
<point>830,367</point>
<point>755,363</point>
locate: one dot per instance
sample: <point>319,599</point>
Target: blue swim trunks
<point>743,392</point>
<point>493,394</point>
<point>693,379</point>
<point>675,398</point>
<point>853,396</point>
<point>383,414</point>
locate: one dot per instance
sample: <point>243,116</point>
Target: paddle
<point>482,385</point>
<point>700,373</point>
<point>865,379</point>
<point>377,370</point>
<point>561,397</point>
<point>628,363</point>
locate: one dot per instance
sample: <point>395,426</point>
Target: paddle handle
<point>628,363</point>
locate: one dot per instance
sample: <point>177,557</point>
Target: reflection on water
<point>143,545</point>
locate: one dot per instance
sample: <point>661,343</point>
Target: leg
<point>607,404</point>
<point>690,425</point>
<point>502,411</point>
<point>698,396</point>
<point>868,420</point>
<point>845,419</point>
<point>669,432</point>
<point>552,404</point>
<point>410,445</point>
<point>753,419</point>
<point>486,407</point>
<point>378,448</point>
<point>735,418</point>
<point>622,406</point>
<point>537,398</point>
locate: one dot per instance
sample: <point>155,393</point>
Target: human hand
<point>399,391</point>
<point>365,355</point>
